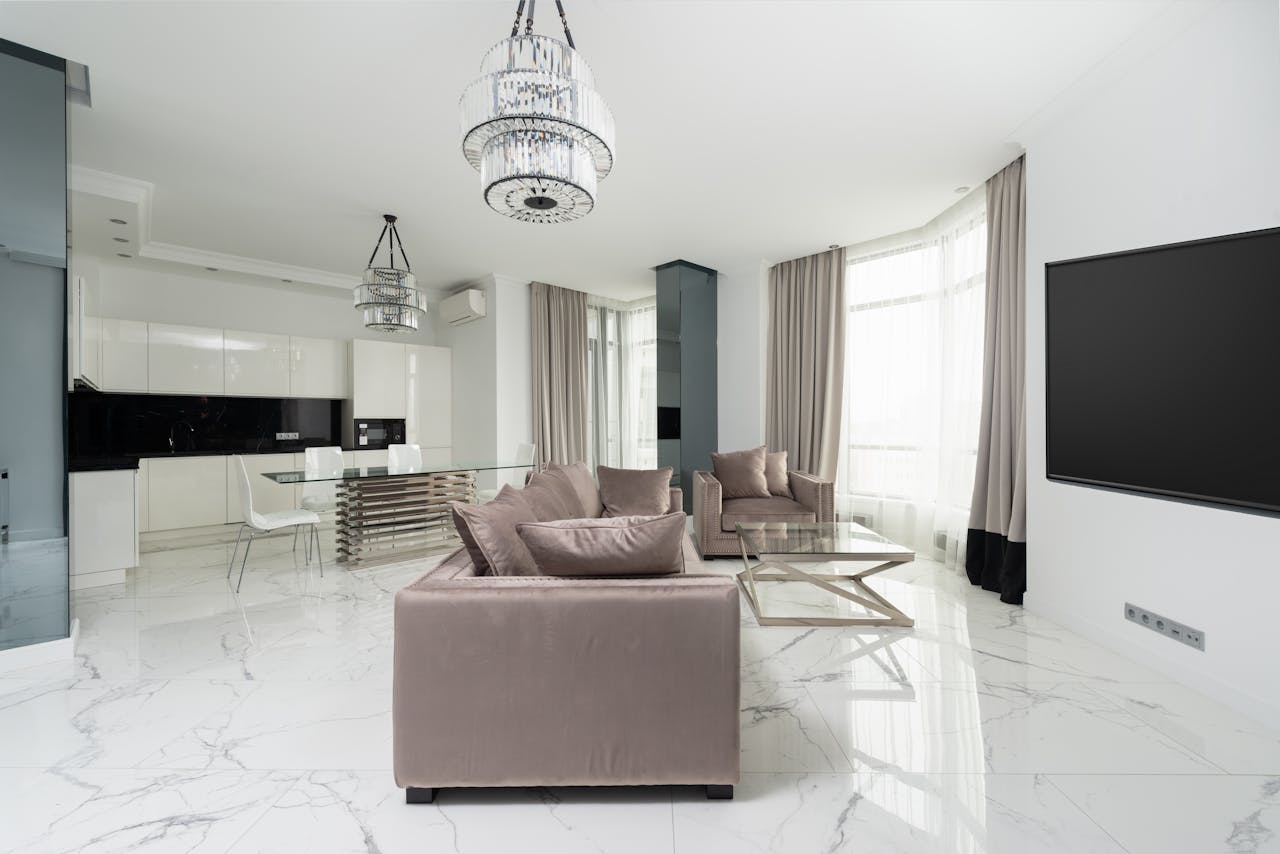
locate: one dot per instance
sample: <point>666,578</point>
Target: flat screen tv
<point>1163,370</point>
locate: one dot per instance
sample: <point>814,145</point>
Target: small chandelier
<point>535,128</point>
<point>388,295</point>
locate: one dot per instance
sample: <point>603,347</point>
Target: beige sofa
<point>540,681</point>
<point>714,517</point>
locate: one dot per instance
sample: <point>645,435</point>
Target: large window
<point>913,381</point>
<point>622,429</point>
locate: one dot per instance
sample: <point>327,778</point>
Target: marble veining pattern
<point>194,719</point>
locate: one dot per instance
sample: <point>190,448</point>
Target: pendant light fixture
<point>388,295</point>
<point>535,128</point>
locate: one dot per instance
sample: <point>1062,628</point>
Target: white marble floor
<point>197,720</point>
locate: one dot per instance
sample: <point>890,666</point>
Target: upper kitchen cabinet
<point>317,367</point>
<point>378,379</point>
<point>256,364</point>
<point>429,396</point>
<point>124,355</point>
<point>184,359</point>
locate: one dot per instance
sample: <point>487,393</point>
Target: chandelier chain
<point>515,28</point>
<point>528,22</point>
<point>564,22</point>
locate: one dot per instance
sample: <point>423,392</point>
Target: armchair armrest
<point>814,493</point>
<point>707,506</point>
<point>677,500</point>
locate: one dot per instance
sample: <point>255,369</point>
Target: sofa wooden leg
<point>422,796</point>
<point>719,793</point>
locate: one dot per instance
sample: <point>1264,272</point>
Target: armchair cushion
<point>741,473</point>
<point>618,546</point>
<point>635,492</point>
<point>772,509</point>
<point>775,472</point>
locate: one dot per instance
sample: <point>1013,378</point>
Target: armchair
<point>714,517</point>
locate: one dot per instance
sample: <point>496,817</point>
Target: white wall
<point>492,380</point>
<point>1183,144</point>
<point>742,341</point>
<point>133,292</point>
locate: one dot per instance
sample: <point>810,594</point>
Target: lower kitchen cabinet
<point>103,509</point>
<point>186,492</point>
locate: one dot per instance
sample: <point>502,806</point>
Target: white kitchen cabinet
<point>428,396</point>
<point>268,497</point>
<point>367,459</point>
<point>187,492</point>
<point>184,359</point>
<point>255,364</point>
<point>318,367</point>
<point>103,509</point>
<point>91,350</point>
<point>437,457</point>
<point>144,509</point>
<point>378,379</point>
<point>123,355</point>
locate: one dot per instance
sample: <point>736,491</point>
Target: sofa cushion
<point>489,533</point>
<point>774,509</point>
<point>615,546</point>
<point>741,473</point>
<point>775,473</point>
<point>551,497</point>
<point>584,485</point>
<point>635,492</point>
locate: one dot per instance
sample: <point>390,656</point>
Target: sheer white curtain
<point>622,427</point>
<point>913,382</point>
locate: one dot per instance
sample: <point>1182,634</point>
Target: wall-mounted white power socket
<point>280,437</point>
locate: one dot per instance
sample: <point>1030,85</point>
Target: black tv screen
<point>1163,370</point>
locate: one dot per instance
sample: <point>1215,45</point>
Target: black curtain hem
<point>997,565</point>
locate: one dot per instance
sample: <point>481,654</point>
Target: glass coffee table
<point>780,545</point>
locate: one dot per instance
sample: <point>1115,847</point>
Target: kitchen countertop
<point>130,461</point>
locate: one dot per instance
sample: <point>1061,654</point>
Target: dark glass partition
<point>33,345</point>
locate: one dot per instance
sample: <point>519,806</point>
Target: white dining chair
<point>265,523</point>
<point>403,459</point>
<point>321,496</point>
<point>524,457</point>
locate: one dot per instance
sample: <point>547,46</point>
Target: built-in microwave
<point>375,434</point>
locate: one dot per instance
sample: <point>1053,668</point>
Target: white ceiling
<point>747,131</point>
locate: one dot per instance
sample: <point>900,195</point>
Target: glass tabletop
<point>366,472</point>
<point>819,541</point>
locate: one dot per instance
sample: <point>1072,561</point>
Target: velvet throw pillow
<point>775,474</point>
<point>635,492</point>
<point>489,533</point>
<point>579,476</point>
<point>616,546</point>
<point>741,473</point>
<point>551,497</point>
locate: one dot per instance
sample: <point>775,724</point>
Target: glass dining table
<point>386,514</point>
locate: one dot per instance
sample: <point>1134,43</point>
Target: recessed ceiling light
<point>212,269</point>
<point>119,222</point>
<point>962,190</point>
<point>120,239</point>
<point>833,246</point>
<point>124,254</point>
<point>287,281</point>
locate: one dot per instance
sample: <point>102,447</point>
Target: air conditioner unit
<point>463,307</point>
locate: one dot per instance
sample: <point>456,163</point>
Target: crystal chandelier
<point>535,128</point>
<point>387,295</point>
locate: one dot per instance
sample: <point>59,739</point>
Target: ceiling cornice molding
<point>111,186</point>
<point>239,264</point>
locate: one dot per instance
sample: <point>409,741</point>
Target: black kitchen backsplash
<point>106,425</point>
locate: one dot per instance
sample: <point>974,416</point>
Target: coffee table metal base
<point>768,571</point>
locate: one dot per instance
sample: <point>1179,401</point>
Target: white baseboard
<point>1193,677</point>
<point>98,579</point>
<point>35,654</point>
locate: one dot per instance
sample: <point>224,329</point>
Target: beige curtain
<point>559,359</point>
<point>806,361</point>
<point>997,550</point>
